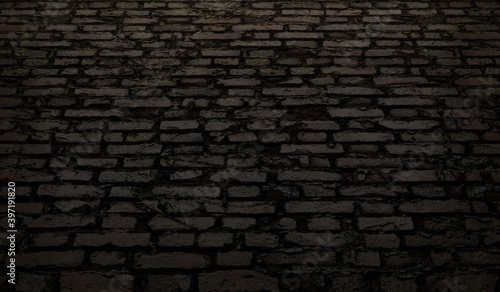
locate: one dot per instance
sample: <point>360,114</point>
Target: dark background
<point>251,146</point>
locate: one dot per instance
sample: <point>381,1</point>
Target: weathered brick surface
<point>252,146</point>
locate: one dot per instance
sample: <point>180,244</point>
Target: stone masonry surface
<point>175,145</point>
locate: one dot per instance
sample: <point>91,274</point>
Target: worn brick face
<point>252,145</point>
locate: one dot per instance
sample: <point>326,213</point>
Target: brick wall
<point>252,146</point>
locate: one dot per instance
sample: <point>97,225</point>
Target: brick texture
<point>252,145</point>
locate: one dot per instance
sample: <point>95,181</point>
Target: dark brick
<point>171,260</point>
<point>385,223</point>
<point>261,240</point>
<point>236,280</point>
<point>70,191</point>
<point>319,207</point>
<point>92,281</point>
<point>157,283</point>
<point>305,175</point>
<point>51,258</point>
<point>427,206</point>
<point>130,176</point>
<point>116,239</point>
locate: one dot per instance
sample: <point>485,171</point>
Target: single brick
<point>70,191</point>
<point>415,176</point>
<point>171,260</point>
<point>177,282</point>
<point>327,239</point>
<point>59,221</point>
<point>343,207</point>
<point>82,281</point>
<point>182,223</point>
<point>354,91</point>
<point>362,137</point>
<point>68,259</point>
<point>238,223</point>
<point>261,240</point>
<point>385,223</point>
<point>116,239</point>
<point>243,191</point>
<point>236,280</point>
<point>234,258</point>
<point>215,239</point>
<point>311,148</point>
<point>307,175</point>
<point>323,224</point>
<point>427,206</point>
<point>134,149</point>
<point>141,176</point>
<point>177,240</point>
<point>252,207</point>
<point>448,240</point>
